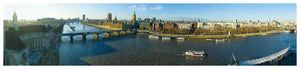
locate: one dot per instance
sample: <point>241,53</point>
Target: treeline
<point>176,31</point>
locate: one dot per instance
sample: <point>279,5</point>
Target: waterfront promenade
<point>204,36</point>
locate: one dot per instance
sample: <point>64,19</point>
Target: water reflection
<point>194,58</point>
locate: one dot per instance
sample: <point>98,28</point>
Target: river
<point>141,50</point>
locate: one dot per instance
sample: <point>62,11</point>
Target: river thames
<point>141,50</point>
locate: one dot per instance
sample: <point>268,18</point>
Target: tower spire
<point>133,18</point>
<point>15,21</point>
<point>115,20</point>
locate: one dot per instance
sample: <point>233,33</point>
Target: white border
<point>141,1</point>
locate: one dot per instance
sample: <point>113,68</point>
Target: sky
<point>164,11</point>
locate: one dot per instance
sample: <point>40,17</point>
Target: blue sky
<point>167,11</point>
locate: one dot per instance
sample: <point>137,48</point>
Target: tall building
<point>83,17</point>
<point>109,17</point>
<point>139,19</point>
<point>235,21</point>
<point>115,20</point>
<point>133,19</point>
<point>15,22</point>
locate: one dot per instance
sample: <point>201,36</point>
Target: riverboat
<point>195,53</point>
<point>264,34</point>
<point>166,38</point>
<point>221,40</point>
<point>180,38</point>
<point>152,36</point>
<point>286,31</point>
<point>208,39</point>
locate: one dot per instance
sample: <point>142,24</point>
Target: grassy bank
<point>105,27</point>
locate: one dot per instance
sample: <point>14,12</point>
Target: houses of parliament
<point>113,23</point>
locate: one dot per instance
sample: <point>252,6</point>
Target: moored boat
<point>263,34</point>
<point>221,39</point>
<point>152,36</point>
<point>180,38</point>
<point>286,31</point>
<point>208,39</point>
<point>166,38</point>
<point>195,53</point>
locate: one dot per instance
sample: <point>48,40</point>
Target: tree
<point>142,28</point>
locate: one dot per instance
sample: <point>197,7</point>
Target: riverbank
<point>193,36</point>
<point>102,26</point>
<point>205,36</point>
<point>252,34</point>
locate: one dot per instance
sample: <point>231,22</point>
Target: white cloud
<point>142,8</point>
<point>133,7</point>
<point>145,8</point>
<point>157,7</point>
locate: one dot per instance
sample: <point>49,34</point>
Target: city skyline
<point>176,12</point>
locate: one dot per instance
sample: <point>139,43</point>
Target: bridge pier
<point>96,36</point>
<point>71,38</point>
<point>128,32</point>
<point>84,37</point>
<point>106,35</point>
<point>122,33</point>
<point>115,34</point>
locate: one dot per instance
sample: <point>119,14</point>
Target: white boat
<point>180,38</point>
<point>286,31</point>
<point>195,53</point>
<point>166,38</point>
<point>208,39</point>
<point>221,39</point>
<point>264,34</point>
<point>152,36</point>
